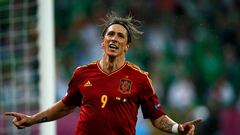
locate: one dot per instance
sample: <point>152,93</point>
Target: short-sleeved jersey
<point>109,102</point>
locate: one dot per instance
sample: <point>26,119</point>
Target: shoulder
<point>143,76</point>
<point>89,65</point>
<point>136,69</point>
<point>85,67</point>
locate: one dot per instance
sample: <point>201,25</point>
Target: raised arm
<point>55,112</point>
<point>166,124</point>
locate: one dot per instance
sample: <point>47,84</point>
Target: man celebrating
<point>109,91</point>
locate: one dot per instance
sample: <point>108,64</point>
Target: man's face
<point>114,42</point>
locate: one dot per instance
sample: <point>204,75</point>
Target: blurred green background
<point>191,48</point>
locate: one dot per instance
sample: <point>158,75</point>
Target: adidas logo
<point>87,84</point>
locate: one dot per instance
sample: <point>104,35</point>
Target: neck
<point>110,64</point>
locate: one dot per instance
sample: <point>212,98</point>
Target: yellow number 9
<point>104,99</point>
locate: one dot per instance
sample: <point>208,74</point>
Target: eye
<point>110,33</point>
<point>121,35</point>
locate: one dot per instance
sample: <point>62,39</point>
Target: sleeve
<point>73,96</point>
<point>151,108</point>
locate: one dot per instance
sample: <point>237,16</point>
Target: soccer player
<point>109,91</point>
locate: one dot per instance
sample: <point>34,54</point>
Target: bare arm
<point>55,112</point>
<point>165,123</point>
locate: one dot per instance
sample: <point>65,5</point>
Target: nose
<point>114,37</point>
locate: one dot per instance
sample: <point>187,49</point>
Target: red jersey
<point>109,102</point>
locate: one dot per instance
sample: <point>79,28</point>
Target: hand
<point>188,128</point>
<point>21,120</point>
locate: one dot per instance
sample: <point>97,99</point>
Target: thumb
<point>180,128</point>
<point>21,122</point>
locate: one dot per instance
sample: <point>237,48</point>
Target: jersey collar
<point>111,73</point>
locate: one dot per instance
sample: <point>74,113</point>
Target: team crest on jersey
<point>125,86</point>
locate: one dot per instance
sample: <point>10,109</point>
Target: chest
<point>101,90</point>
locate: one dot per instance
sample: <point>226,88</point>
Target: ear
<point>126,48</point>
<point>102,44</point>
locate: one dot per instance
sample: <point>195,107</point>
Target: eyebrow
<point>119,33</point>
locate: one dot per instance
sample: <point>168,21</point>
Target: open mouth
<point>113,46</point>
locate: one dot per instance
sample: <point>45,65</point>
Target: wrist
<point>31,120</point>
<point>175,128</point>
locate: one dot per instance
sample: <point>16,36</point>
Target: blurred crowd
<point>191,49</point>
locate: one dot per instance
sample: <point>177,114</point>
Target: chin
<point>112,54</point>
